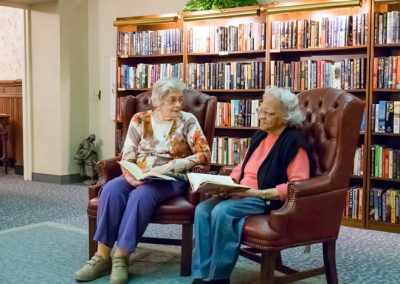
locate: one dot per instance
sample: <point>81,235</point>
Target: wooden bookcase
<point>199,60</point>
<point>309,39</point>
<point>218,39</point>
<point>148,48</point>
<point>383,45</point>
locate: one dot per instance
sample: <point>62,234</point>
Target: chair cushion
<point>175,210</point>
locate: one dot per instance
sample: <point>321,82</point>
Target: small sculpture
<point>86,158</point>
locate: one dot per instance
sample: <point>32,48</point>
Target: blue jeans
<point>218,226</point>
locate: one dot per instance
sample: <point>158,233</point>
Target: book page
<point>207,183</point>
<point>138,174</point>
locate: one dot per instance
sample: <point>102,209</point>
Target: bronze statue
<point>86,158</point>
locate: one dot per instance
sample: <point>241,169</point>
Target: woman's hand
<point>247,193</point>
<point>168,167</point>
<point>270,193</point>
<point>136,183</point>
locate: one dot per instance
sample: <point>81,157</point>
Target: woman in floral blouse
<point>164,140</point>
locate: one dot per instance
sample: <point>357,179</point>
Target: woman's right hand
<point>136,183</point>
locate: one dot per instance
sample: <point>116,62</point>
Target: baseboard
<point>65,179</point>
<point>19,170</point>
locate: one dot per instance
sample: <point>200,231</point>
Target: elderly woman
<point>164,140</point>
<point>278,153</point>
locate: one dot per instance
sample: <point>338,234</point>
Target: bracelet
<point>264,194</point>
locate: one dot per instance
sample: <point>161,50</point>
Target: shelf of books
<point>148,48</point>
<point>226,58</point>
<point>325,48</point>
<point>384,154</point>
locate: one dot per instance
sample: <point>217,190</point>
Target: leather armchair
<point>177,210</point>
<point>314,208</point>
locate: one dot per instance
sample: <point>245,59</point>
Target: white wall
<point>11,43</point>
<point>46,96</point>
<point>59,36</point>
<point>102,40</point>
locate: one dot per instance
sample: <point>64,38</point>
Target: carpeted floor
<point>43,239</point>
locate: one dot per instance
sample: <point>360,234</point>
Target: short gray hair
<point>294,116</point>
<point>163,87</point>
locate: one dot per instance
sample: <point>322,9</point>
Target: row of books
<point>238,113</point>
<point>387,27</point>
<point>386,74</point>
<point>385,117</point>
<point>354,203</point>
<point>145,75</point>
<point>150,42</point>
<point>384,205</point>
<point>229,151</point>
<point>358,161</point>
<point>226,75</point>
<point>241,37</point>
<point>346,74</point>
<point>327,32</point>
<point>385,162</point>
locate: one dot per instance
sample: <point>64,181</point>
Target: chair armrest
<point>194,197</point>
<point>312,186</point>
<point>303,209</point>
<point>225,170</point>
<point>106,170</point>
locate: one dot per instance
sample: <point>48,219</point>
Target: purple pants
<point>125,211</point>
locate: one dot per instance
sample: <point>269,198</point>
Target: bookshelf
<point>148,48</point>
<point>234,53</point>
<point>384,140</point>
<point>320,46</point>
<point>226,53</point>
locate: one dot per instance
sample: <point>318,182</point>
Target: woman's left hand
<point>247,193</point>
<point>168,167</point>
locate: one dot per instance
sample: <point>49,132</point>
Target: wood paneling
<point>11,104</point>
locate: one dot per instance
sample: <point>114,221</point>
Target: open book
<point>138,174</point>
<point>206,183</point>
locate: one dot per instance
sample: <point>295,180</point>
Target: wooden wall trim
<point>11,104</point>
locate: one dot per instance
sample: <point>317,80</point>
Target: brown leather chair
<point>177,210</point>
<point>314,208</point>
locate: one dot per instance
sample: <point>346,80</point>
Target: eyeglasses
<point>173,101</point>
<point>265,113</point>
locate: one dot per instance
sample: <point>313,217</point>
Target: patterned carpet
<point>43,239</point>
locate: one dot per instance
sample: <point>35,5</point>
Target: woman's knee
<point>203,210</point>
<point>221,210</point>
<point>115,188</point>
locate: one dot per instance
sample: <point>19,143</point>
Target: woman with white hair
<point>278,153</point>
<point>164,140</point>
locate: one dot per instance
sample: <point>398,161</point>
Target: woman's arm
<point>298,169</point>
<point>129,151</point>
<point>199,146</point>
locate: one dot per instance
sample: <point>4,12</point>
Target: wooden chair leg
<point>268,259</point>
<point>186,250</point>
<point>329,251</point>
<point>92,243</point>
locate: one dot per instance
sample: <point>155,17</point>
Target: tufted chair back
<point>329,127</point>
<point>314,208</point>
<point>201,105</point>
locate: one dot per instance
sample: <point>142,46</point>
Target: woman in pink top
<point>278,153</point>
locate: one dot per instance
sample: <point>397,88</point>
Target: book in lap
<point>206,183</point>
<point>138,174</point>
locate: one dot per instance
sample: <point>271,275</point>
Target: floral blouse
<point>150,144</point>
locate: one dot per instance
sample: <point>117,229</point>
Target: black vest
<point>273,170</point>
